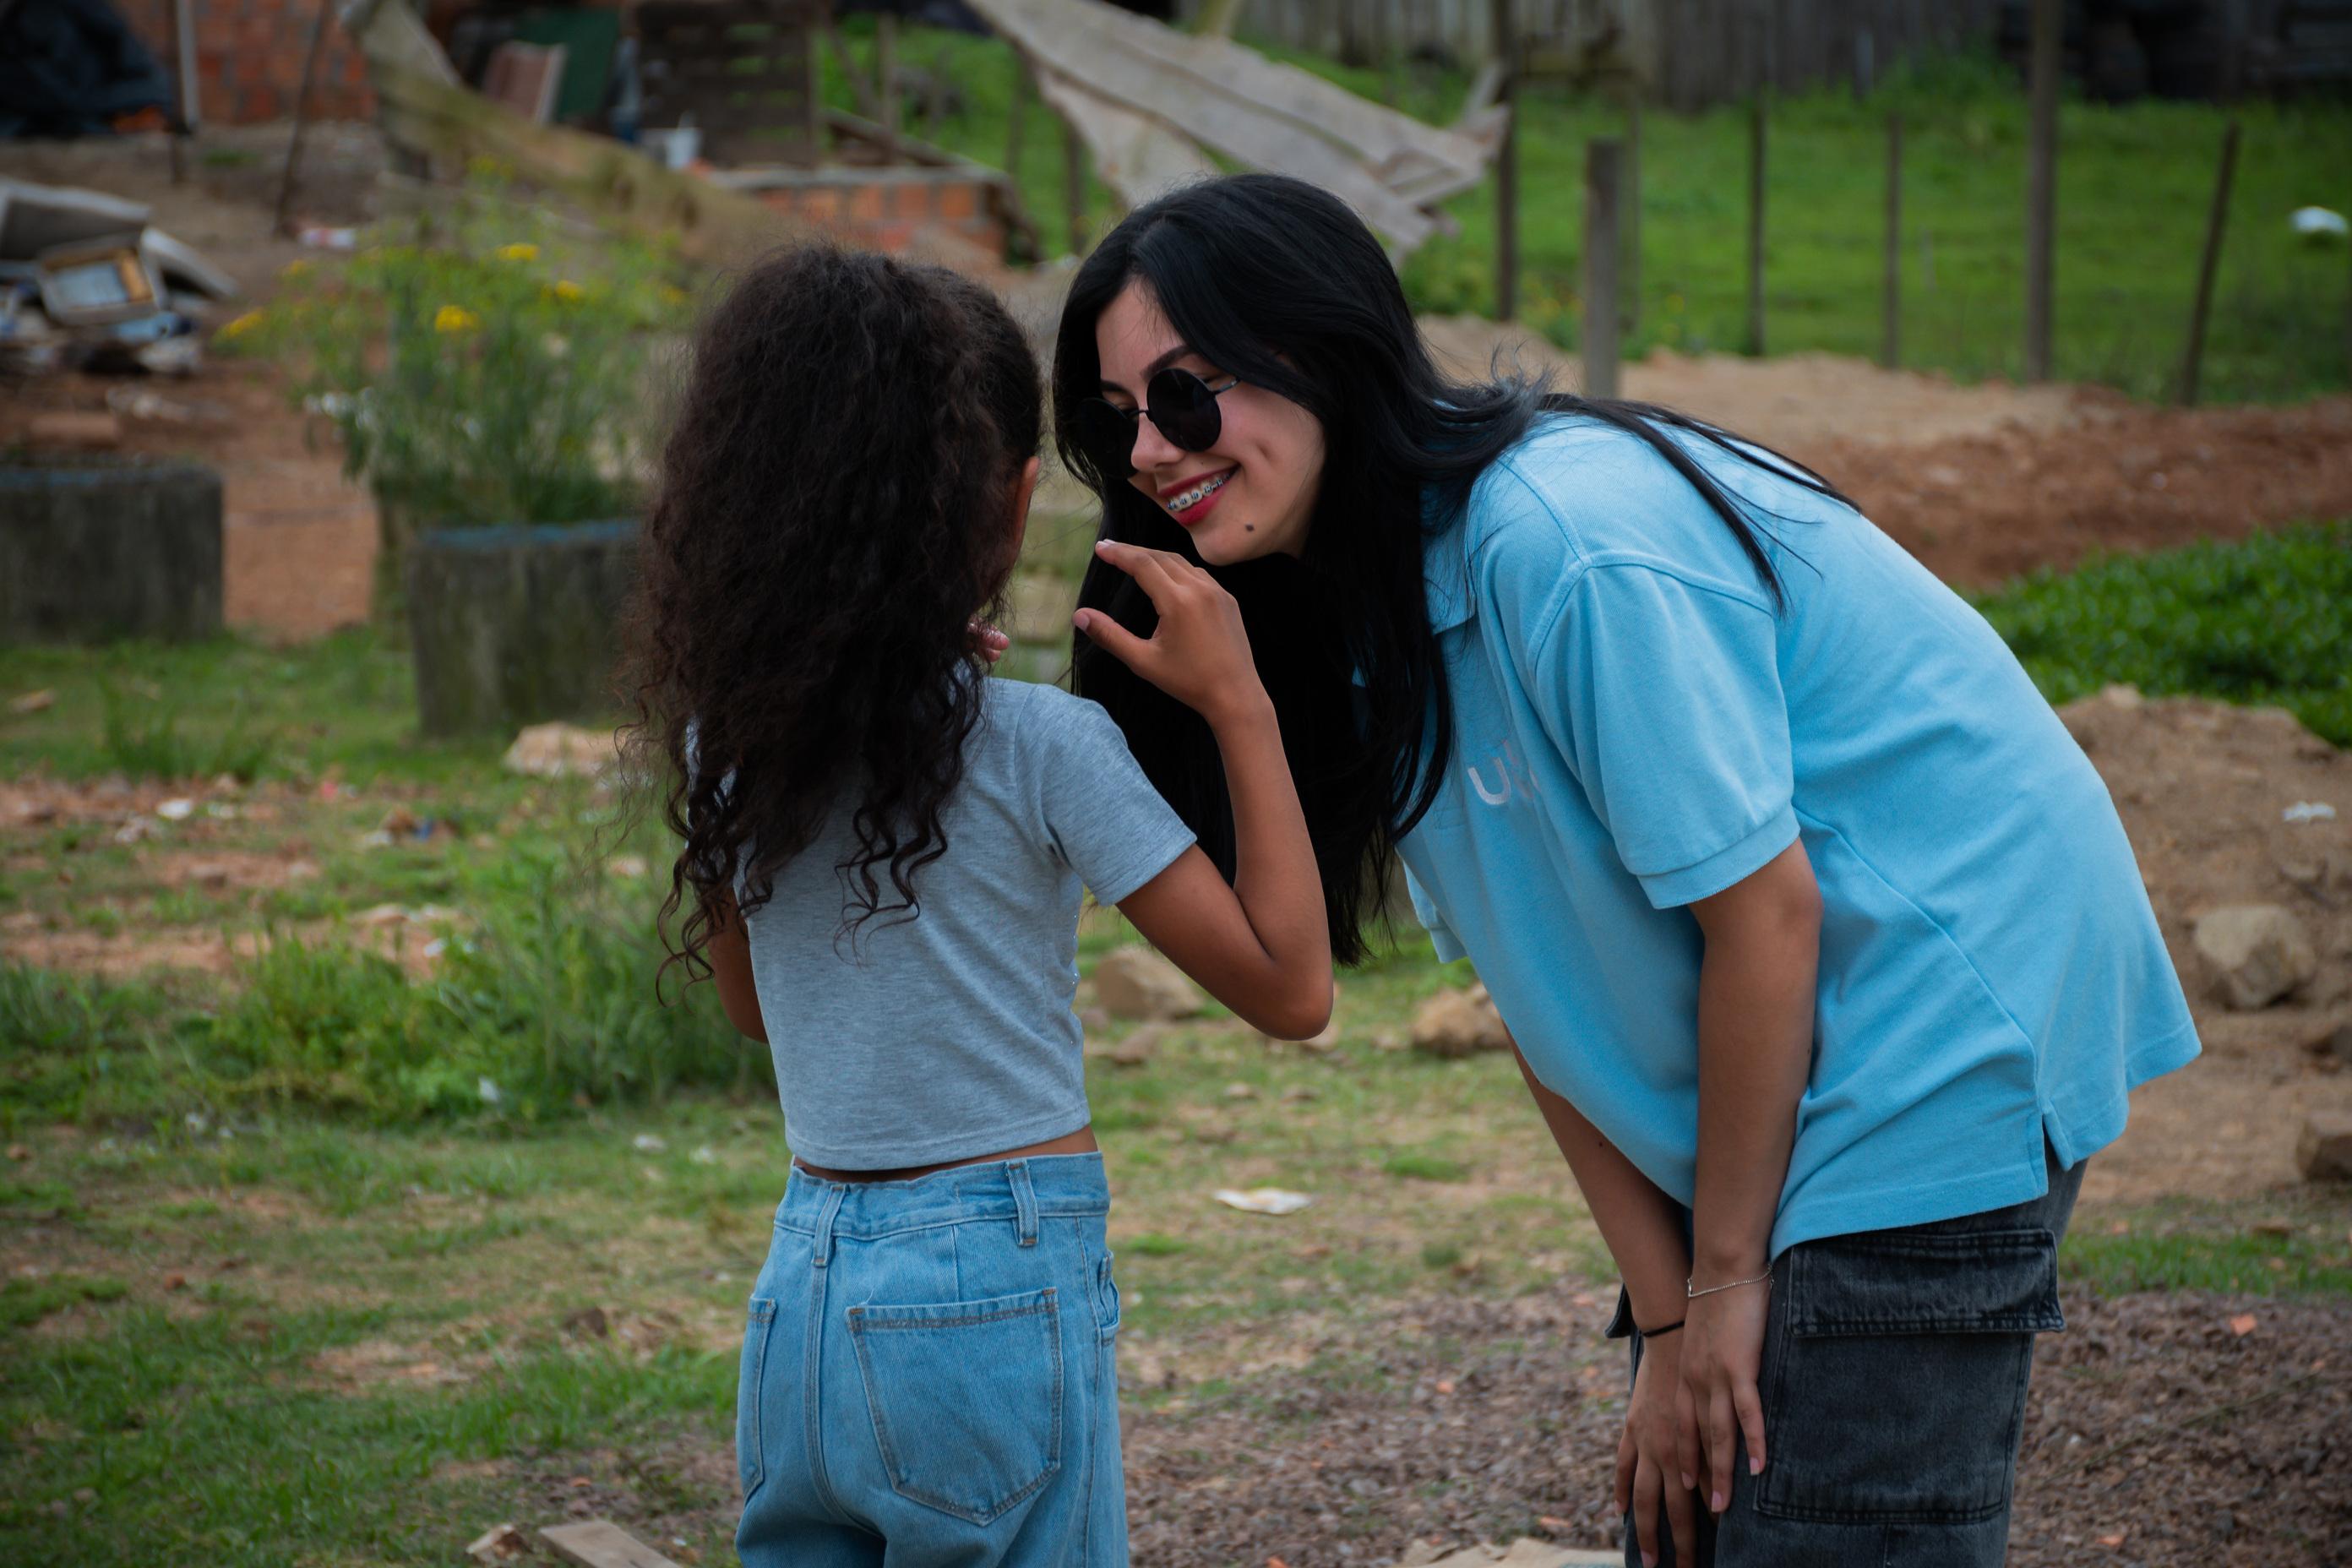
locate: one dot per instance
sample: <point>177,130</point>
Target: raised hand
<point>1198,654</point>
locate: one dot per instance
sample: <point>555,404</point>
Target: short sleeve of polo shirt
<point>1665,694</point>
<point>1101,815</point>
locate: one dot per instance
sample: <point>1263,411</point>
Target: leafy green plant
<point>488,365</point>
<point>2265,620</point>
<point>149,744</point>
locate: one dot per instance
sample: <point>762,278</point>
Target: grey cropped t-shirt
<point>951,1035</point>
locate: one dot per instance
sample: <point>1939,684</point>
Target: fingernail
<point>1755,1464</point>
<point>1716,1502</point>
<point>1649,1560</point>
<point>1690,1484</point>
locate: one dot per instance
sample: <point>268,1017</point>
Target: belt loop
<point>1024,1201</point>
<point>823,1240</point>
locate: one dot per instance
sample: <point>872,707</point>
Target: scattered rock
<point>1137,982</point>
<point>2323,1153</point>
<point>557,751</point>
<point>33,701</point>
<point>500,1543</point>
<point>1137,1049</point>
<point>1459,1024</point>
<point>1240,1091</point>
<point>2254,955</point>
<point>587,1323</point>
<point>628,868</point>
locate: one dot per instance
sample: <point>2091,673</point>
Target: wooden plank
<point>600,1544</point>
<point>1078,34</point>
<point>1212,115</point>
<point>1139,157</point>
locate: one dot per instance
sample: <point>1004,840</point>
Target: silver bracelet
<point>1690,1294</point>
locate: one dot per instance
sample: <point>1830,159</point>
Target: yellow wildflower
<point>568,292</point>
<point>294,269</point>
<point>239,327</point>
<point>670,293</point>
<point>455,319</point>
<point>522,250</point>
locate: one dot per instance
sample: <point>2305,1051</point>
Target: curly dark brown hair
<point>835,507</point>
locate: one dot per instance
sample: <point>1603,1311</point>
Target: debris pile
<point>88,283</point>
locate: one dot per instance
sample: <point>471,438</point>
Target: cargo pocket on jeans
<point>1899,1388</point>
<point>751,1448</point>
<point>966,1399</point>
<point>1105,1300</point>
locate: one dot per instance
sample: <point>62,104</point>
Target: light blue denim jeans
<point>928,1374</point>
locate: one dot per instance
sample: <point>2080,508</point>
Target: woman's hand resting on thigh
<point>1654,1456</point>
<point>1722,1354</point>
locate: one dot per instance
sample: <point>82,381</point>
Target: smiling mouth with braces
<point>1198,493</point>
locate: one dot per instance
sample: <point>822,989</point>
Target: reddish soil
<point>1988,481</point>
<point>2202,788</point>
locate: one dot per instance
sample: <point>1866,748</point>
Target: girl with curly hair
<point>883,853</point>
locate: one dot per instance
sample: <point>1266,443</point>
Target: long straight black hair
<point>1277,281</point>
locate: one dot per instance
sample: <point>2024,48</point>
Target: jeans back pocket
<point>1899,1388</point>
<point>750,1437</point>
<point>966,1398</point>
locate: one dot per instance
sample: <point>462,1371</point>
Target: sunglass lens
<point>1185,409</point>
<point>1108,436</point>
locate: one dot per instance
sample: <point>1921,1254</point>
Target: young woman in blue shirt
<point>1826,957</point>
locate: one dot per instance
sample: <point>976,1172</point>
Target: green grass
<point>2134,185</point>
<point>2268,620</point>
<point>2189,1244</point>
<point>227,705</point>
<point>282,1288</point>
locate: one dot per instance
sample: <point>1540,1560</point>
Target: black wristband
<point>1658,1333</point>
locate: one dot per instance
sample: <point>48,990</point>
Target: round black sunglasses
<point>1183,404</point>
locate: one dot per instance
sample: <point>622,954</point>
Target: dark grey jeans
<point>1895,1363</point>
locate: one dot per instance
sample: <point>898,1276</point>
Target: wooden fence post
<point>1755,343</point>
<point>886,69</point>
<point>1890,351</point>
<point>2041,184</point>
<point>1016,118</point>
<point>1507,168</point>
<point>1629,258</point>
<point>1603,205</point>
<point>2192,361</point>
<point>1074,184</point>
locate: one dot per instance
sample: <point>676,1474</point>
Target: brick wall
<point>249,58</point>
<point>885,208</point>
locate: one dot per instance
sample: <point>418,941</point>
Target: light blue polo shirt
<point>1635,727</point>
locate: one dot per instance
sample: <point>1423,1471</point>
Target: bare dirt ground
<point>2203,790</point>
<point>1986,482</point>
<point>2157,1435</point>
